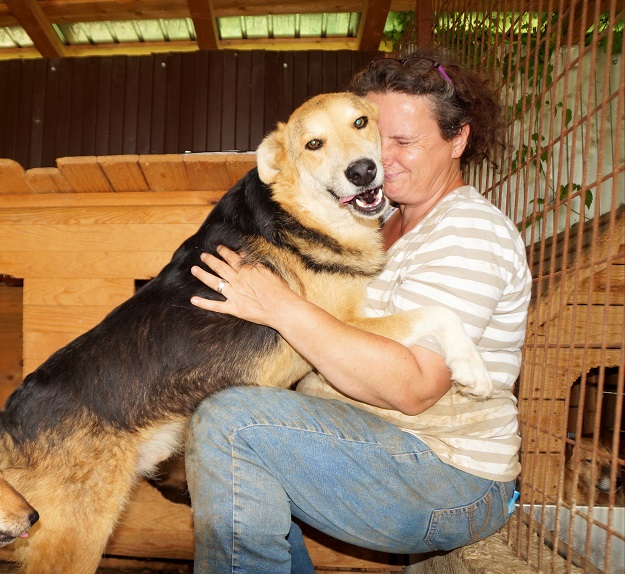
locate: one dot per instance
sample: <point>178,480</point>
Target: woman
<point>399,462</point>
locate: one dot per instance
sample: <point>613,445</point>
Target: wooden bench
<point>80,235</point>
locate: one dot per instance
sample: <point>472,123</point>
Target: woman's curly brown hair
<point>458,95</point>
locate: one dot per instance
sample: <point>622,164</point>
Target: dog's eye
<point>314,145</point>
<point>361,122</point>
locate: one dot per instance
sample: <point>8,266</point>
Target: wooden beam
<point>35,23</point>
<point>423,22</point>
<point>205,24</point>
<point>372,21</point>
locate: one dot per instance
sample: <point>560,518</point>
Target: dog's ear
<point>269,155</point>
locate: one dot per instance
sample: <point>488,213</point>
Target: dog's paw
<point>469,372</point>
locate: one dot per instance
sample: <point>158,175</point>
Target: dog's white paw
<point>469,372</point>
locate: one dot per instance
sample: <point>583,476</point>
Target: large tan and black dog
<point>111,405</point>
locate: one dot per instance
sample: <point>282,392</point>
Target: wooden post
<point>423,22</point>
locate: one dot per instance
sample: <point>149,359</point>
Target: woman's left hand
<point>252,292</point>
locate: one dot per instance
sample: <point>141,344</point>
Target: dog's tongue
<point>347,199</point>
<point>23,535</point>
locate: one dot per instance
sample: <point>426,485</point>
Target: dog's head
<point>16,515</point>
<point>594,470</point>
<point>329,153</point>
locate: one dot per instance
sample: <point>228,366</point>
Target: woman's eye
<point>314,145</point>
<point>361,122</point>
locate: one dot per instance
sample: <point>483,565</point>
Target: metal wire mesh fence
<point>560,67</point>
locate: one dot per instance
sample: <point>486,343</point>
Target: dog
<point>594,474</point>
<point>16,515</point>
<point>107,408</point>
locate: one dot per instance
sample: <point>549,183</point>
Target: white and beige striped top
<point>468,256</point>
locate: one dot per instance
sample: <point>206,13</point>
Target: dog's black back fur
<point>156,353</point>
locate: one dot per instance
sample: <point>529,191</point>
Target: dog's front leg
<point>445,327</point>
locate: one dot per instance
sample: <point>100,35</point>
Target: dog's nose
<point>361,172</point>
<point>34,516</point>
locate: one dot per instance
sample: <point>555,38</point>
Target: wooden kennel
<point>80,235</point>
<point>575,325</point>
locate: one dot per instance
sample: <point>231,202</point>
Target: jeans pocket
<point>451,528</point>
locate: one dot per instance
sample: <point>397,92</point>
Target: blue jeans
<point>256,457</point>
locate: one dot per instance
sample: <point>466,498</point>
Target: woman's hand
<point>252,292</point>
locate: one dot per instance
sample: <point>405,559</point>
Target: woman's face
<point>419,165</point>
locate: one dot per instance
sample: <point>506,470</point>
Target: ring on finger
<point>220,286</point>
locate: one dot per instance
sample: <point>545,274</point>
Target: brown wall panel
<point>161,103</point>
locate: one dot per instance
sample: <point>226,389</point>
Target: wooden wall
<point>161,103</point>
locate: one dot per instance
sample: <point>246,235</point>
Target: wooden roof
<point>58,28</point>
<point>41,21</point>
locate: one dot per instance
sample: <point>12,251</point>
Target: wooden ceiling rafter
<point>205,24</point>
<point>32,18</point>
<point>372,21</point>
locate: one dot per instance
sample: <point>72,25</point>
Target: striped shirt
<point>468,256</point>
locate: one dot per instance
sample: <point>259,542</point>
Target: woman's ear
<point>460,141</point>
<point>269,155</point>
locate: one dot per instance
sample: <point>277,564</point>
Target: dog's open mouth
<point>6,538</point>
<point>369,202</point>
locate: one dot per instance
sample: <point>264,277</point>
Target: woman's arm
<point>362,365</point>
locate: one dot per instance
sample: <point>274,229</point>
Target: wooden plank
<point>103,264</point>
<point>47,180</point>
<point>49,153</point>
<point>581,323</point>
<point>123,172</point>
<point>10,340</point>
<point>549,373</point>
<point>38,346</point>
<point>257,86</point>
<point>244,99</point>
<point>54,291</point>
<point>38,107</point>
<point>186,111</point>
<point>62,318</point>
<point>76,105</point>
<point>83,174</point>
<point>153,526</point>
<point>64,71</point>
<point>229,102</point>
<point>271,91</point>
<point>24,113</point>
<point>173,198</point>
<point>540,477</point>
<point>207,172</point>
<point>329,72</point>
<point>103,106</point>
<point>118,94</point>
<point>239,165</point>
<point>90,107</point>
<point>539,421</point>
<point>107,214</point>
<point>172,104</point>
<point>215,90</point>
<point>159,100</point>
<point>164,172</point>
<point>93,237</point>
<point>12,179</point>
<point>200,101</point>
<point>144,113</point>
<point>599,293</point>
<point>131,106</point>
